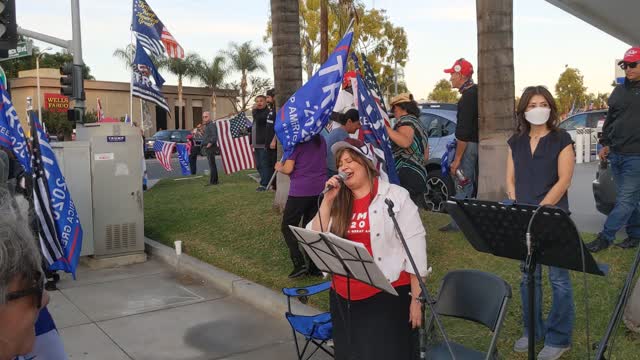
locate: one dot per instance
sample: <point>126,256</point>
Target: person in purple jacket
<point>308,173</point>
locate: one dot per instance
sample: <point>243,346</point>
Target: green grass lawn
<point>233,227</point>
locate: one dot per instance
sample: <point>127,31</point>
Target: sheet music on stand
<point>335,255</point>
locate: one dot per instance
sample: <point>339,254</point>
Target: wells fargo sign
<point>56,102</point>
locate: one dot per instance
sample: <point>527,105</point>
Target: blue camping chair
<point>317,329</point>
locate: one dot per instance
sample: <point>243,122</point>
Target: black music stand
<point>502,230</point>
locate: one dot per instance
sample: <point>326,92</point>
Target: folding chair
<point>317,329</point>
<point>471,295</point>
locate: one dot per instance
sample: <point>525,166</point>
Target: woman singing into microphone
<point>380,325</point>
<point>539,171</point>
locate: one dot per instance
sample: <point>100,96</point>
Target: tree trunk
<point>495,94</point>
<point>287,68</point>
<point>243,90</point>
<point>180,124</point>
<point>324,31</point>
<point>213,104</point>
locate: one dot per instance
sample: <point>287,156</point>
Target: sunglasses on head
<point>37,291</point>
<point>626,65</point>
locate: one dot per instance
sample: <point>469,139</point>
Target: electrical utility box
<point>110,192</point>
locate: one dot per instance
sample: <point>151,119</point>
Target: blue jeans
<point>264,166</point>
<point>469,167</point>
<point>559,325</point>
<point>626,175</point>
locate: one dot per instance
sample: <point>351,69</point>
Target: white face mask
<point>538,115</point>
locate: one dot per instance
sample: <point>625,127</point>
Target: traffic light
<point>66,80</point>
<point>8,26</point>
<point>71,81</point>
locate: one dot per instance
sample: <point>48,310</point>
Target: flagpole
<point>131,78</point>
<point>141,115</point>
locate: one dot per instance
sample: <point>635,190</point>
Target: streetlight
<point>38,80</point>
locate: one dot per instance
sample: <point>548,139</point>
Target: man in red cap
<point>621,141</point>
<point>464,165</point>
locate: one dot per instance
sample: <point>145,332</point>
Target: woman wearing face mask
<point>376,325</point>
<point>539,171</point>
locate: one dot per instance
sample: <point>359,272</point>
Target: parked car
<point>178,136</point>
<point>604,189</point>
<point>590,119</point>
<point>439,121</point>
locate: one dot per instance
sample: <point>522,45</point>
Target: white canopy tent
<point>618,18</point>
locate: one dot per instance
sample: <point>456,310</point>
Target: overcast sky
<point>545,38</point>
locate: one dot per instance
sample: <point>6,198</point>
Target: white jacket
<point>387,248</point>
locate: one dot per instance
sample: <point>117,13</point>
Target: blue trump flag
<point>144,71</point>
<point>11,133</point>
<point>152,33</point>
<point>65,215</point>
<point>183,157</point>
<point>307,112</point>
<point>372,123</point>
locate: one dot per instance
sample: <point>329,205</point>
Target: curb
<point>259,296</point>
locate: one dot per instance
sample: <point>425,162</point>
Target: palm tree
<point>127,55</point>
<point>211,75</point>
<point>181,68</point>
<point>495,93</point>
<point>246,59</point>
<point>287,67</point>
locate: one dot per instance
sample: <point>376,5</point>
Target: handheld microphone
<point>341,176</point>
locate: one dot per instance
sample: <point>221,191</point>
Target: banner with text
<point>56,102</point>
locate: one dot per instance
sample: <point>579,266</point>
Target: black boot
<point>299,268</point>
<point>628,243</point>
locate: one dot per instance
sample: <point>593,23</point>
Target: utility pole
<point>75,47</point>
<point>76,44</point>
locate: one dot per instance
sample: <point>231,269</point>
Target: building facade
<point>114,97</point>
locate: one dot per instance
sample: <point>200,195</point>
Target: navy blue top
<point>537,174</point>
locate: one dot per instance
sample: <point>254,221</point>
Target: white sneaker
<point>521,345</point>
<point>552,353</point>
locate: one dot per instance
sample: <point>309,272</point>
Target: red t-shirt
<point>359,232</point>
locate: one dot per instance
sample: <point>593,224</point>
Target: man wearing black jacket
<point>262,135</point>
<point>464,166</point>
<point>621,141</point>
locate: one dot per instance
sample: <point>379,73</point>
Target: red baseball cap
<point>461,66</point>
<point>346,81</point>
<point>632,55</point>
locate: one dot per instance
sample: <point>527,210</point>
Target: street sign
<point>24,48</point>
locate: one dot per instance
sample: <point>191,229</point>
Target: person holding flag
<point>307,112</point>
<point>410,146</point>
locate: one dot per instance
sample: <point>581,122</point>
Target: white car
<point>590,119</point>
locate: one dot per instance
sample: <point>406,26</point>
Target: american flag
<point>50,245</point>
<point>239,125</point>
<point>236,153</point>
<point>99,109</point>
<point>174,50</point>
<point>372,85</point>
<point>163,150</point>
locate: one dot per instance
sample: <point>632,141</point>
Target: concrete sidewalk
<point>148,311</point>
